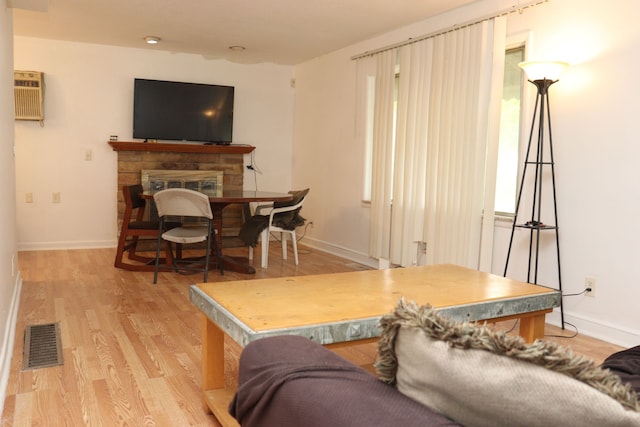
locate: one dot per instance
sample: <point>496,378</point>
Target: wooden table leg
<point>531,324</point>
<point>212,355</point>
<point>215,394</point>
<point>532,327</point>
<point>235,264</point>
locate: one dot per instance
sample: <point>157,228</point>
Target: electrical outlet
<point>311,224</point>
<point>590,283</point>
<point>55,197</point>
<point>28,197</point>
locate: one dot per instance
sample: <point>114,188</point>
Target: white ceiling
<point>279,31</point>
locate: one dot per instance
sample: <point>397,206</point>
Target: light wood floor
<point>131,349</point>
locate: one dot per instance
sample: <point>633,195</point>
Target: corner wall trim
<point>6,349</point>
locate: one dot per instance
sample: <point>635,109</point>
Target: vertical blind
<point>433,151</point>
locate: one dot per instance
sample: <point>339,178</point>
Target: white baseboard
<point>81,244</point>
<point>340,251</point>
<point>6,349</point>
<point>596,329</point>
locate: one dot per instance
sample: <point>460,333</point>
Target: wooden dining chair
<point>133,227</point>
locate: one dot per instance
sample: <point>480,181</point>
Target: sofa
<point>292,381</point>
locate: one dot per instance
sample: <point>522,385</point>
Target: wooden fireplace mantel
<point>180,148</point>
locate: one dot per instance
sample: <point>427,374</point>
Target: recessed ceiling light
<point>152,39</point>
<point>237,48</point>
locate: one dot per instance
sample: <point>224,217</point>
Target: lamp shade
<point>541,70</point>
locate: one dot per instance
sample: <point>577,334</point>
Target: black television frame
<point>182,111</point>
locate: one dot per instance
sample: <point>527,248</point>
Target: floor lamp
<point>542,75</point>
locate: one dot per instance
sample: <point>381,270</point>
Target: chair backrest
<point>132,197</point>
<point>287,214</point>
<point>295,202</point>
<point>182,202</point>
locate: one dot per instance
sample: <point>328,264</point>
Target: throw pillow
<point>480,377</point>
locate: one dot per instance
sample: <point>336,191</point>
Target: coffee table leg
<point>532,327</point>
<point>216,396</point>
<point>212,355</point>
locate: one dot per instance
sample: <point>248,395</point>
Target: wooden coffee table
<point>345,308</point>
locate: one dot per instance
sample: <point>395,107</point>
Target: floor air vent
<point>42,347</point>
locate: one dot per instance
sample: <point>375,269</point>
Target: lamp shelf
<point>529,162</point>
<point>537,227</point>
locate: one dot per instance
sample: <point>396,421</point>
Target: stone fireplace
<point>134,157</point>
<point>209,182</point>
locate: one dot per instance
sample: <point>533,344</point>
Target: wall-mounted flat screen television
<point>165,110</point>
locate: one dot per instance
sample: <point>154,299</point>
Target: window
<point>368,155</point>
<point>508,145</point>
<point>368,159</point>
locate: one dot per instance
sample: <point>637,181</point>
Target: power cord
<point>255,169</point>
<point>586,290</point>
<point>512,327</point>
<point>304,232</point>
<point>575,334</point>
<point>575,328</point>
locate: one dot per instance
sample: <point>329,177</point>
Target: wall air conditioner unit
<point>29,96</point>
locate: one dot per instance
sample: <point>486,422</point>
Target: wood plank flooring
<point>131,349</point>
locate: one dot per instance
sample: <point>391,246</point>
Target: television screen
<point>182,111</point>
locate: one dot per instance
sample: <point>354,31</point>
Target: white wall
<point>595,143</point>
<point>10,281</point>
<point>89,96</point>
<point>594,105</point>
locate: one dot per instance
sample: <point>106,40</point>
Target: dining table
<point>219,199</point>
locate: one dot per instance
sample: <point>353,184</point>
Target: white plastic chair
<point>271,228</point>
<point>182,202</point>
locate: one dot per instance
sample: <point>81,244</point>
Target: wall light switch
<point>88,155</point>
<point>55,197</point>
<point>28,197</point>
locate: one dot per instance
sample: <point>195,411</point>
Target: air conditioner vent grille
<point>29,95</point>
